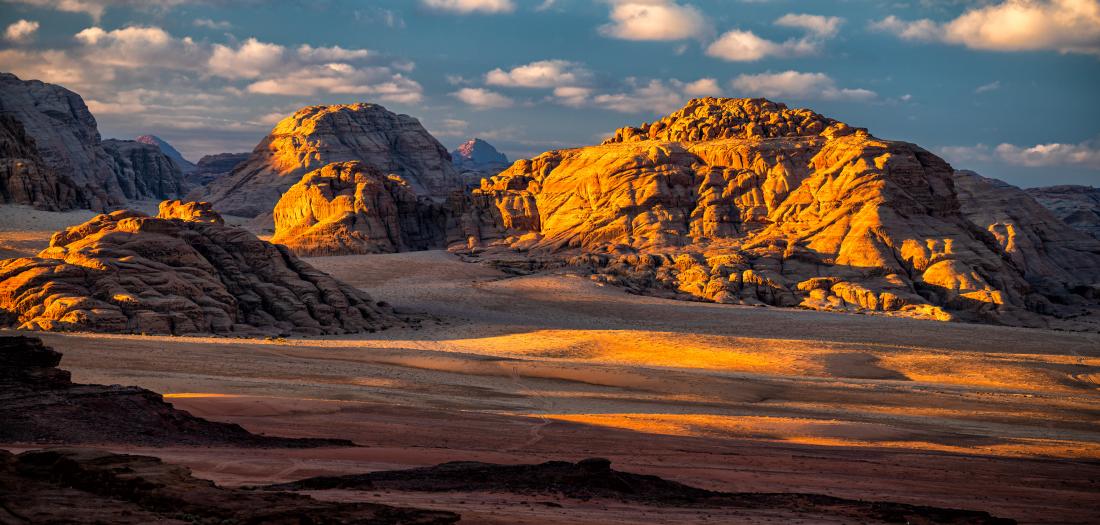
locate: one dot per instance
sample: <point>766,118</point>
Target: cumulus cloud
<point>799,86</point>
<point>655,20</point>
<point>655,96</point>
<point>1084,154</point>
<point>540,74</point>
<point>481,98</point>
<point>1067,26</point>
<point>470,6</point>
<point>96,8</point>
<point>745,46</point>
<point>21,31</point>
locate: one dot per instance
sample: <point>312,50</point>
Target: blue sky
<point>1005,87</point>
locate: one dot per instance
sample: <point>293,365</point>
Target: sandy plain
<point>553,366</point>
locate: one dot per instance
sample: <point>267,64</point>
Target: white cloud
<point>797,85</point>
<point>540,74</point>
<point>482,98</point>
<point>249,60</point>
<point>655,96</point>
<point>471,6</point>
<point>1067,26</point>
<point>212,24</point>
<point>330,54</point>
<point>138,47</point>
<point>745,46</point>
<point>655,20</point>
<point>572,96</point>
<point>986,88</point>
<point>1085,154</point>
<point>21,31</point>
<point>96,8</point>
<point>819,26</point>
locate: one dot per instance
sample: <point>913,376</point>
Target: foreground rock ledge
<point>126,272</point>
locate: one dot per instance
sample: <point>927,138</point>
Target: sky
<point>1007,88</point>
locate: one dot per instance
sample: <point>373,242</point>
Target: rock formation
<point>80,171</point>
<point>1077,206</point>
<point>353,208</point>
<point>184,165</point>
<point>127,272</point>
<point>39,404</point>
<point>142,171</point>
<point>24,176</point>
<point>748,201</point>
<point>189,212</point>
<point>80,486</point>
<point>594,478</point>
<point>213,167</point>
<point>319,135</point>
<point>476,159</point>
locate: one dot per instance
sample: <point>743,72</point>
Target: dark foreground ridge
<point>90,486</point>
<point>40,404</point>
<point>594,478</point>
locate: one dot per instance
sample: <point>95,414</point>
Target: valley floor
<point>549,366</point>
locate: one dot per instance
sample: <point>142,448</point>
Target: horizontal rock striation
<point>1077,206</point>
<point>747,201</point>
<point>129,273</point>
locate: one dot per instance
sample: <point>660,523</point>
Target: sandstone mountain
<point>72,167</point>
<point>749,201</point>
<point>353,208</point>
<point>130,273</point>
<point>476,159</point>
<point>319,135</point>
<point>185,165</point>
<point>213,167</point>
<point>1077,206</point>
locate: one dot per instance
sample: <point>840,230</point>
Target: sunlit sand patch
<point>827,433</point>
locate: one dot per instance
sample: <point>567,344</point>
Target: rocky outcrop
<point>82,172</point>
<point>747,201</point>
<point>81,486</point>
<point>184,165</point>
<point>24,176</point>
<point>213,167</point>
<point>189,212</point>
<point>476,160</point>
<point>1077,206</point>
<point>40,404</point>
<point>319,135</point>
<point>353,208</point>
<point>130,273</point>
<point>594,478</point>
<point>142,171</point>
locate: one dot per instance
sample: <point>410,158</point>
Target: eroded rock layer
<point>77,169</point>
<point>1077,206</point>
<point>353,208</point>
<point>127,272</point>
<point>319,135</point>
<point>748,201</point>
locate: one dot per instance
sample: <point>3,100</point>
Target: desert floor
<point>553,366</point>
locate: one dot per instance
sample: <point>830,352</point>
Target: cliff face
<point>477,160</point>
<point>213,167</point>
<point>1077,206</point>
<point>143,171</point>
<point>319,135</point>
<point>169,151</point>
<point>748,201</point>
<point>24,176</point>
<point>77,170</point>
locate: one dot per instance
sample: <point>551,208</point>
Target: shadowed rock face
<point>185,165</point>
<point>213,167</point>
<point>39,404</point>
<point>81,171</point>
<point>477,160</point>
<point>24,176</point>
<point>91,487</point>
<point>594,478</point>
<point>127,272</point>
<point>747,201</point>
<point>353,208</point>
<point>319,135</point>
<point>1077,206</point>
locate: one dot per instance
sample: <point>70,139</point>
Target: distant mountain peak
<point>169,151</point>
<point>476,152</point>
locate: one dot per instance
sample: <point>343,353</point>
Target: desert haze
<point>730,309</point>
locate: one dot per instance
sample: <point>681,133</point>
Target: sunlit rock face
<point>1078,206</point>
<point>747,201</point>
<point>130,273</point>
<point>319,135</point>
<point>353,208</point>
<point>77,169</point>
